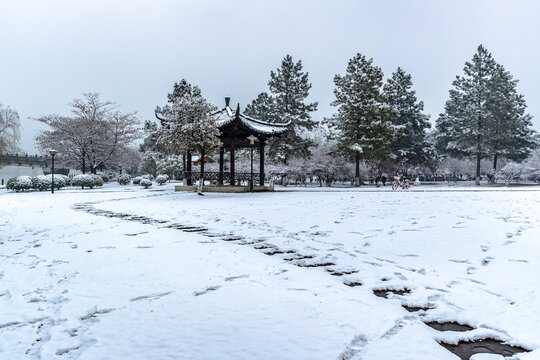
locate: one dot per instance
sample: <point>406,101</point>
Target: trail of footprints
<point>463,349</point>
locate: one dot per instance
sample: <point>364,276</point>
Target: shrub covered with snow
<point>60,181</point>
<point>41,182</point>
<point>19,183</point>
<point>98,181</point>
<point>162,179</point>
<point>137,180</point>
<point>104,177</point>
<point>124,179</point>
<point>511,171</point>
<point>83,180</point>
<point>146,183</point>
<point>148,177</point>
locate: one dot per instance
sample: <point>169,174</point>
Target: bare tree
<point>10,129</point>
<point>93,135</point>
<point>126,159</point>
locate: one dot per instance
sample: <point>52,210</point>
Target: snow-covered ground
<point>128,273</point>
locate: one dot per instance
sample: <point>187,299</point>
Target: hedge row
<point>44,182</point>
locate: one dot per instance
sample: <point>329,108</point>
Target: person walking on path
<point>384,177</point>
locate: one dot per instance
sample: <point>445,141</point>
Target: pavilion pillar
<point>232,165</point>
<point>261,163</point>
<point>188,167</point>
<point>221,155</point>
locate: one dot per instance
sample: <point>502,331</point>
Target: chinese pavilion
<point>235,128</point>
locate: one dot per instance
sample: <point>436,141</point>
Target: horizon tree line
<point>377,124</point>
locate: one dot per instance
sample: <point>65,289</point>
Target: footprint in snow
<point>151,297</point>
<point>231,278</point>
<point>210,288</point>
<point>354,347</point>
<point>486,260</point>
<point>400,276</point>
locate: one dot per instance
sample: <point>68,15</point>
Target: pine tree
<point>362,124</point>
<point>410,145</point>
<point>181,90</point>
<point>289,87</point>
<point>150,140</point>
<point>263,108</point>
<point>465,124</point>
<point>484,115</point>
<point>510,131</point>
<point>188,127</point>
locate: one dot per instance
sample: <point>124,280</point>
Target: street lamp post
<point>251,139</point>
<point>52,152</point>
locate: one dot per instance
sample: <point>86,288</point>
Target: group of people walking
<point>382,177</point>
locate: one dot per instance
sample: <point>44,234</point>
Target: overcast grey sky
<point>132,51</point>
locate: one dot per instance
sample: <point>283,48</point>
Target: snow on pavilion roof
<point>226,116</point>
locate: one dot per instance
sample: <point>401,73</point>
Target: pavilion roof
<point>226,116</point>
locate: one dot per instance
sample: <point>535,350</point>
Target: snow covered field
<point>128,273</point>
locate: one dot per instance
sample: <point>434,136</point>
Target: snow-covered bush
<point>171,165</point>
<point>532,165</point>
<point>83,180</point>
<point>137,180</point>
<point>98,181</point>
<point>510,171</point>
<point>19,183</point>
<point>104,177</point>
<point>162,179</point>
<point>44,182</point>
<point>148,176</point>
<point>146,183</point>
<point>124,179</point>
<point>60,181</point>
<point>41,182</point>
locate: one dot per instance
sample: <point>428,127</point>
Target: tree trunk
<point>357,176</point>
<point>495,158</point>
<point>201,175</point>
<point>83,163</point>
<point>184,168</point>
<point>188,167</point>
<point>478,169</point>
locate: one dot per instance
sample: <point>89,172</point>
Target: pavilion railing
<point>213,176</point>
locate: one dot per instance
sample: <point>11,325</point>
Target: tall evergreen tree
<point>484,116</point>
<point>362,125</point>
<point>410,145</point>
<point>263,108</point>
<point>510,130</point>
<point>289,88</point>
<point>181,90</point>
<point>465,124</point>
<point>150,139</point>
<point>188,127</point>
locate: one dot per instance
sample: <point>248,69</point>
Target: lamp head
<point>52,152</point>
<point>251,139</point>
